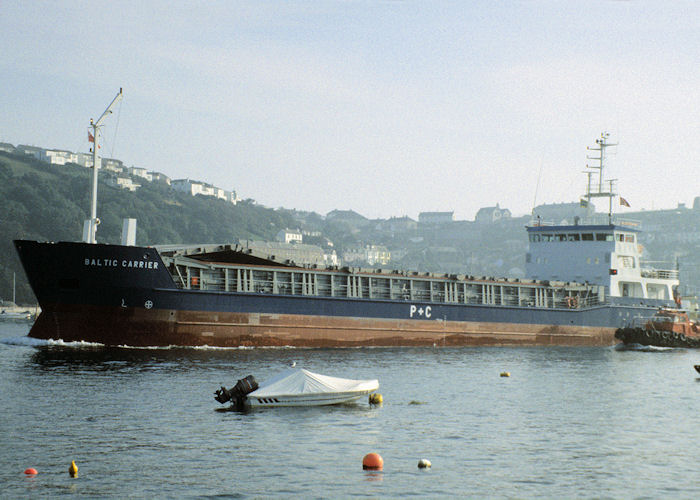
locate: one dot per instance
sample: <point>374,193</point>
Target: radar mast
<point>598,191</point>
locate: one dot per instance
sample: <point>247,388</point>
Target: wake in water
<point>32,342</point>
<point>643,348</point>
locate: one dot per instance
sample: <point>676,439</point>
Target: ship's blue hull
<point>125,295</point>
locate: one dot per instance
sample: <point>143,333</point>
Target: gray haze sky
<point>388,108</point>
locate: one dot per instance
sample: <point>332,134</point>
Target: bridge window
<point>573,237</point>
<point>603,237</point>
<point>587,237</point>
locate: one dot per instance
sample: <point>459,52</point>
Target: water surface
<point>568,422</point>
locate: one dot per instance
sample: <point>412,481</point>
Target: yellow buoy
<point>73,469</point>
<point>505,374</point>
<point>375,399</point>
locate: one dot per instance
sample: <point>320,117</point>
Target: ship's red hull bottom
<point>143,327</point>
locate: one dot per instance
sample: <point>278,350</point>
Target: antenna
<point>537,187</point>
<point>90,225</point>
<point>601,145</point>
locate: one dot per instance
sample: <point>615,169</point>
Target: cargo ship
<point>585,279</point>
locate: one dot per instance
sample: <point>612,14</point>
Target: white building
<point>232,197</point>
<point>84,159</point>
<point>159,177</point>
<point>123,183</point>
<point>372,254</point>
<point>57,156</point>
<point>331,259</point>
<point>289,236</point>
<point>436,217</point>
<point>141,172</point>
<point>198,187</point>
<point>111,164</point>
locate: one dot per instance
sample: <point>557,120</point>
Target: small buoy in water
<point>505,374</point>
<point>31,471</point>
<point>424,463</point>
<point>373,461</point>
<point>375,398</point>
<point>73,469</point>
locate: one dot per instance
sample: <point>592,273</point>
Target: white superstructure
<point>599,249</point>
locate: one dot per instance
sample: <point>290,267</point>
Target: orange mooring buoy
<point>373,461</point>
<point>31,471</point>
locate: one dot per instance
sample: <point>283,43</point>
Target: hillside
<point>49,203</point>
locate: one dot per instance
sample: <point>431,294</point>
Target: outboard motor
<point>237,394</point>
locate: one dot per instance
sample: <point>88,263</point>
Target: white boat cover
<point>297,381</point>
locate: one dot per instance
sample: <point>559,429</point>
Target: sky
<point>386,107</point>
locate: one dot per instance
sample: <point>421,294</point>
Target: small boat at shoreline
<point>15,316</point>
<point>296,387</point>
<point>667,328</point>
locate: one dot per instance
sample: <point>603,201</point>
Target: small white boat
<point>299,387</point>
<point>296,387</point>
<point>12,315</point>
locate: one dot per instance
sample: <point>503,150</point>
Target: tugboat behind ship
<point>667,328</point>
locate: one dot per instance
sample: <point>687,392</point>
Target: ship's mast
<point>91,224</point>
<point>601,145</point>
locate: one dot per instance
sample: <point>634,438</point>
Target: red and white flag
<point>91,138</point>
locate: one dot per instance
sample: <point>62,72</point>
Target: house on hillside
<point>29,151</point>
<point>123,182</point>
<point>350,217</point>
<point>194,188</point>
<point>111,164</point>
<point>159,177</point>
<point>231,197</point>
<point>436,218</point>
<point>492,214</point>
<point>8,148</point>
<point>371,254</point>
<point>84,159</point>
<point>289,236</point>
<point>57,156</point>
<point>397,225</point>
<point>141,172</point>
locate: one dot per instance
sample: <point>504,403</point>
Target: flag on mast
<point>91,138</point>
<point>624,202</point>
